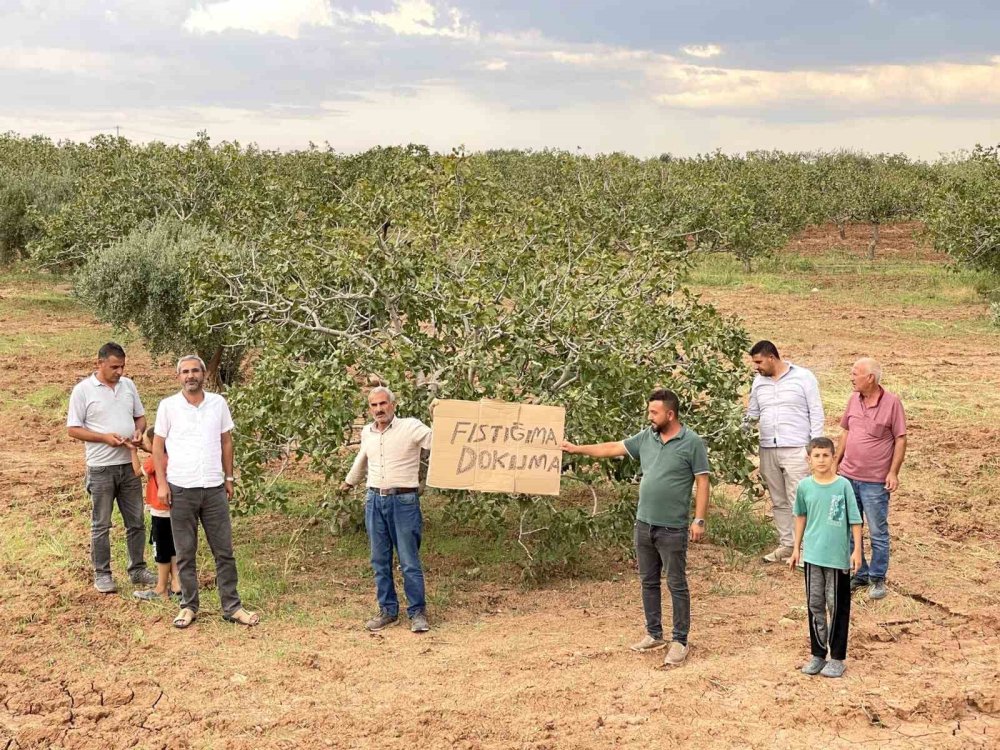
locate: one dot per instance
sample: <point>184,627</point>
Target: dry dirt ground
<point>506,667</point>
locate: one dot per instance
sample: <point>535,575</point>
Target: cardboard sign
<point>495,446</point>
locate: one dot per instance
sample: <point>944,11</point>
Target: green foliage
<point>548,279</point>
<point>35,178</point>
<point>872,189</point>
<point>140,282</point>
<point>963,215</point>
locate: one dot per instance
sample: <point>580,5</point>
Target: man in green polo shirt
<point>672,459</point>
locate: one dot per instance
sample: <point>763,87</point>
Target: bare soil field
<point>507,666</point>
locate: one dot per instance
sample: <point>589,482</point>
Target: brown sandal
<point>184,618</point>
<point>243,617</point>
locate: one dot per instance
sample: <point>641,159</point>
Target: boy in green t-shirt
<point>826,516</point>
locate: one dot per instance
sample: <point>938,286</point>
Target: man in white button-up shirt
<point>785,402</point>
<point>194,431</point>
<point>390,457</point>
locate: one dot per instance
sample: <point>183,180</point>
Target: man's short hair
<point>111,349</point>
<point>669,399</point>
<point>382,389</point>
<point>765,348</point>
<point>186,357</point>
<point>873,367</point>
<point>824,443</point>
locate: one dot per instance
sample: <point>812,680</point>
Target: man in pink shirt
<point>870,453</point>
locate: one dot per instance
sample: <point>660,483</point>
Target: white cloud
<point>54,60</point>
<point>703,51</point>
<point>281,17</point>
<point>493,65</point>
<point>868,87</point>
<point>416,18</point>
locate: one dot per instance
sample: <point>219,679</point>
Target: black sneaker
<point>859,583</point>
<point>383,620</point>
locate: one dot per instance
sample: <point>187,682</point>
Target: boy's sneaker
<point>833,668</point>
<point>105,584</point>
<point>649,643</point>
<point>676,654</point>
<point>858,583</point>
<point>877,591</point>
<point>777,555</point>
<point>384,619</point>
<point>815,666</point>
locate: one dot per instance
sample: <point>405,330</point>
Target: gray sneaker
<point>384,619</point>
<point>144,577</point>
<point>815,666</point>
<point>877,591</point>
<point>418,623</point>
<point>649,643</point>
<point>105,584</point>
<point>833,668</point>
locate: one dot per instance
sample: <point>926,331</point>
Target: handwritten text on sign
<point>495,446</point>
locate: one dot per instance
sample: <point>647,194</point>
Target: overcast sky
<point>642,76</point>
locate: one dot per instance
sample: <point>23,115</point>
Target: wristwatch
<point>230,479</point>
<point>699,522</point>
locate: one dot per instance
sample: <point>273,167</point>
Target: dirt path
<point>525,669</point>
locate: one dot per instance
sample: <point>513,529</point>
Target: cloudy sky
<point>642,76</point>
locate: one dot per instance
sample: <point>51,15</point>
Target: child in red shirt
<point>161,535</point>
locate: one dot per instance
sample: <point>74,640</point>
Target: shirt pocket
<point>877,429</point>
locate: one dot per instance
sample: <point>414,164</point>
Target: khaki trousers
<point>782,470</point>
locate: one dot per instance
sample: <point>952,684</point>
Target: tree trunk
<point>873,243</point>
<point>842,229</point>
<point>212,379</point>
<point>747,267</point>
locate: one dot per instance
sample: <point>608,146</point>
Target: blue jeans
<point>873,502</point>
<point>394,521</point>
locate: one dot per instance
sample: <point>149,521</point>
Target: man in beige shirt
<point>391,451</point>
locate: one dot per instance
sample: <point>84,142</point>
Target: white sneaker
<point>778,554</point>
<point>649,643</point>
<point>676,654</point>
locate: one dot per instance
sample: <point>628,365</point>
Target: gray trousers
<point>106,485</point>
<point>782,469</point>
<point>656,548</point>
<point>210,506</point>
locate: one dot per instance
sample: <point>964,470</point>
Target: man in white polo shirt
<point>105,413</point>
<point>193,455</point>
<point>391,449</point>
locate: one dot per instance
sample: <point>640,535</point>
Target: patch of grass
<point>77,342</point>
<point>737,525</point>
<point>49,399</point>
<point>918,283</point>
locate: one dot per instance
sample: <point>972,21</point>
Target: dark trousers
<point>210,506</point>
<point>106,486</point>
<point>828,595</point>
<point>656,548</point>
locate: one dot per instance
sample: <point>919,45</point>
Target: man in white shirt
<point>391,451</point>
<point>105,413</point>
<point>193,455</point>
<point>785,402</point>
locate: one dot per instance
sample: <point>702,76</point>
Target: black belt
<point>396,491</point>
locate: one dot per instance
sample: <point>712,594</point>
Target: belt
<point>395,490</point>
